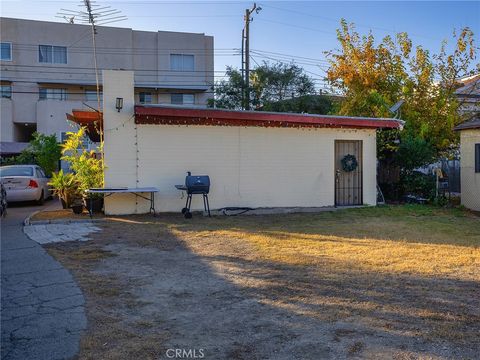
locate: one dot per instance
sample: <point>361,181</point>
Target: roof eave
<point>195,116</point>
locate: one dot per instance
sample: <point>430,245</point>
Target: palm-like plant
<point>66,187</point>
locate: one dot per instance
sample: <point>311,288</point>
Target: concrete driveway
<point>42,309</point>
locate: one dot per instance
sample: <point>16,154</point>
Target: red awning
<point>92,120</point>
<point>151,114</point>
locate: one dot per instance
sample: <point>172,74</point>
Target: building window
<point>477,158</point>
<point>52,54</point>
<point>182,99</point>
<point>91,95</point>
<point>145,97</point>
<point>6,51</point>
<point>52,94</point>
<point>182,62</point>
<point>6,91</point>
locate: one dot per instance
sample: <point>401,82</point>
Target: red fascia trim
<point>176,116</point>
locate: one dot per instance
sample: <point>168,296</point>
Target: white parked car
<point>25,183</point>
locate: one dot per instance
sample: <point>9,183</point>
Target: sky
<point>282,30</point>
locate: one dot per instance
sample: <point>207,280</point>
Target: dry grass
<point>406,272</point>
<point>413,240</point>
<point>110,335</point>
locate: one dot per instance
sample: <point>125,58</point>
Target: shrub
<point>65,186</point>
<point>87,169</point>
<point>43,151</point>
<point>419,184</point>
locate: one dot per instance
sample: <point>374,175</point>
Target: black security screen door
<point>348,175</point>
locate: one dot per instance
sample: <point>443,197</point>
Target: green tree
<point>43,150</point>
<point>229,92</point>
<point>310,104</point>
<point>46,151</point>
<point>269,83</point>
<point>374,76</point>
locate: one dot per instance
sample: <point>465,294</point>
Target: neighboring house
<point>254,159</point>
<point>47,69</point>
<point>470,163</point>
<point>468,94</point>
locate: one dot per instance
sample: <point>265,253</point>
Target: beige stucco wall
<point>145,52</point>
<point>6,129</point>
<point>248,166</point>
<point>51,117</point>
<point>470,181</point>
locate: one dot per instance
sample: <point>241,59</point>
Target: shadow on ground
<point>162,287</point>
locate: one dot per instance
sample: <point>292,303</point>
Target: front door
<point>348,172</point>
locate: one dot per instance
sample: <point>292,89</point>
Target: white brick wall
<point>248,166</point>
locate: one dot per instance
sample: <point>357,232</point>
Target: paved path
<point>42,309</point>
<point>52,233</point>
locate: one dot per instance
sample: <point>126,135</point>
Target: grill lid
<point>197,184</point>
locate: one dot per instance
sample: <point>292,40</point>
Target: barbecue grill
<point>195,184</point>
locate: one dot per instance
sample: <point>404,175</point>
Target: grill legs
<point>186,210</point>
<point>206,205</point>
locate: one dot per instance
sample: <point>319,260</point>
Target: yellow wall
<point>470,181</point>
<point>248,166</point>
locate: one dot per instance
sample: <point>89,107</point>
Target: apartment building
<point>47,69</point>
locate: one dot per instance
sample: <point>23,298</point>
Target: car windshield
<point>16,171</point>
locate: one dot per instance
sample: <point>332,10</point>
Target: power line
<point>89,48</point>
<point>82,93</point>
<point>290,11</point>
<point>156,16</point>
<point>282,60</point>
<point>292,56</point>
<point>297,26</point>
<point>144,52</point>
<point>4,66</point>
<point>136,75</point>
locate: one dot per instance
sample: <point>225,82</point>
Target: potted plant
<point>65,186</point>
<point>77,206</point>
<point>88,169</point>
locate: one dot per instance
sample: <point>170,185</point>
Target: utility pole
<point>243,69</point>
<point>248,19</point>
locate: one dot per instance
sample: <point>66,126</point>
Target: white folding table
<point>125,190</point>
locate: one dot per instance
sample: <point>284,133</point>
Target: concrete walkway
<point>42,309</point>
<point>52,233</point>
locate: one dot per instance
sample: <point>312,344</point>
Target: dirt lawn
<point>375,283</point>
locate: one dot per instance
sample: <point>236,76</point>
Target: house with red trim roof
<point>254,159</point>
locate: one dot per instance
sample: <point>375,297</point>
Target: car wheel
<point>42,199</point>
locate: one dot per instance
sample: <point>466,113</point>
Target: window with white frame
<point>52,54</point>
<point>182,99</point>
<point>91,95</point>
<point>6,51</point>
<point>182,62</point>
<point>6,91</point>
<point>52,94</point>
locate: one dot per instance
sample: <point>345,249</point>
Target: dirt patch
<point>110,305</point>
<point>394,282</point>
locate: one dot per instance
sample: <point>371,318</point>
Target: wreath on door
<point>349,163</point>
